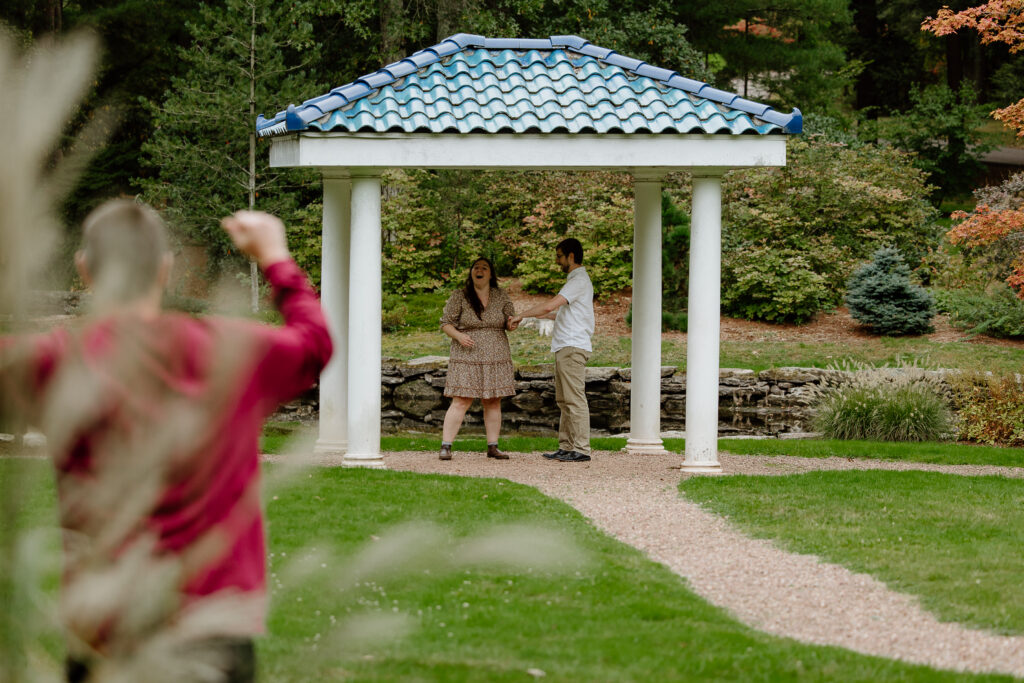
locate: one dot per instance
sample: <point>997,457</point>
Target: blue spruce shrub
<point>881,296</point>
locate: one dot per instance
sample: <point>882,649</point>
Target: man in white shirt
<point>572,309</point>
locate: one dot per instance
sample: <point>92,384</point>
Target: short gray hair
<point>123,243</point>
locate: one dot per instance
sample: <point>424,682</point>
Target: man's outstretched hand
<point>258,235</point>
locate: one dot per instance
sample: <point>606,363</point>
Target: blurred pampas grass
<point>42,88</point>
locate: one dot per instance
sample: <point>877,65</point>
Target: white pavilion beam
<point>645,379</point>
<point>334,293</point>
<point>364,330</point>
<point>526,151</point>
<point>702,338</point>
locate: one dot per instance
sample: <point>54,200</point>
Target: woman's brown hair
<point>470,291</point>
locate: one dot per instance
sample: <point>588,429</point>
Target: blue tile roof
<point>562,84</point>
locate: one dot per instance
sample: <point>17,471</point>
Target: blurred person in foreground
<point>153,421</point>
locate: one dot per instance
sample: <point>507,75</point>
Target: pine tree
<point>882,296</point>
<point>246,57</point>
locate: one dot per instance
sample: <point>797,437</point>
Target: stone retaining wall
<point>766,402</point>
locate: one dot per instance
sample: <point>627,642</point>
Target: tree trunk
<point>254,273</point>
<point>391,14</point>
<point>954,61</point>
<point>865,21</point>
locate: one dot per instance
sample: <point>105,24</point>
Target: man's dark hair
<point>571,245</point>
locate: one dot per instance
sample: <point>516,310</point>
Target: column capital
<point>647,176</point>
<point>366,172</point>
<point>709,172</point>
<point>336,173</point>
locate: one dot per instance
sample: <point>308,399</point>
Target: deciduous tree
<point>997,21</point>
<point>246,57</point>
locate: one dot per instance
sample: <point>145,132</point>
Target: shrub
<point>997,312</point>
<point>670,320</point>
<point>832,205</point>
<point>882,296</point>
<point>884,404</point>
<point>943,130</point>
<point>675,254</point>
<point>991,411</point>
<point>773,284</point>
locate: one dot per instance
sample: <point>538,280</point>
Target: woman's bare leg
<point>492,418</point>
<point>453,418</point>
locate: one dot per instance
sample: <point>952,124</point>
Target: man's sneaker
<point>556,455</point>
<point>573,456</point>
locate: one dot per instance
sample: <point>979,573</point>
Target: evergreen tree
<point>246,57</point>
<point>882,297</point>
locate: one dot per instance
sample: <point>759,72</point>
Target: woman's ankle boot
<point>493,452</point>
<point>446,452</point>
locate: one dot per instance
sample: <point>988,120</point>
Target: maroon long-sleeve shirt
<point>183,399</point>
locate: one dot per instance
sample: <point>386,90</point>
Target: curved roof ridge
<point>297,118</point>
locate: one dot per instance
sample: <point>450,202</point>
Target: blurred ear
<point>163,276</point>
<point>80,266</point>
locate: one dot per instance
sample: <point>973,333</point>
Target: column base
<point>701,468</point>
<point>372,461</point>
<point>645,447</point>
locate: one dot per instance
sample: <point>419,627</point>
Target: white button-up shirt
<point>574,322</point>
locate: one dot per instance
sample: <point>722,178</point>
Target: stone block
<point>676,384</point>
<point>797,375</point>
<point>619,388</point>
<point>423,365</point>
<point>601,374</point>
<point>417,398</point>
<point>528,401</point>
<point>666,371</point>
<point>531,372</point>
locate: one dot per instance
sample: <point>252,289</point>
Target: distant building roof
<point>562,84</point>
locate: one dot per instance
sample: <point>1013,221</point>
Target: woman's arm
<point>461,337</point>
<point>450,317</point>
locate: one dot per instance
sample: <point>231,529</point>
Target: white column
<point>364,340</point>
<point>334,288</point>
<point>645,381</point>
<point>703,310</point>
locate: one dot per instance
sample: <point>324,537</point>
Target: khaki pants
<point>571,397</point>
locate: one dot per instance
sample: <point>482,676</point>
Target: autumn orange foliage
<point>997,21</point>
<point>983,227</point>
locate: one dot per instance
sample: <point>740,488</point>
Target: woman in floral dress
<point>480,364</point>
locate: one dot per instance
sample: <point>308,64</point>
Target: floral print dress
<point>485,370</point>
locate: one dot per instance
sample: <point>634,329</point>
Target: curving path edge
<point>635,499</point>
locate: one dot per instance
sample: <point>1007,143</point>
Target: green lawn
<point>530,349</point>
<point>928,452</point>
<point>953,541</point>
<point>619,617</point>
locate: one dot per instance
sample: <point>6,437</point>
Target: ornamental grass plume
<point>905,403</point>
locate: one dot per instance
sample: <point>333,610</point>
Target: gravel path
<point>634,498</point>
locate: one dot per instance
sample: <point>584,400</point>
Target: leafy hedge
<point>991,410</point>
<point>792,236</point>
